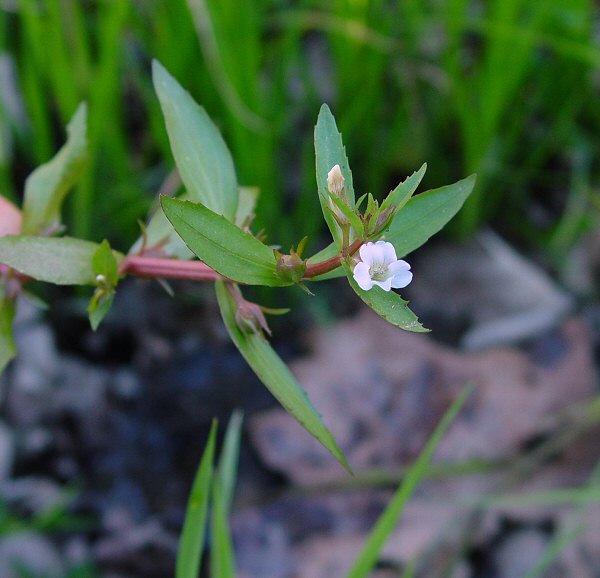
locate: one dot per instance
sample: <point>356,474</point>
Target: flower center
<point>379,272</point>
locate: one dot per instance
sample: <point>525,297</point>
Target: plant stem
<point>316,269</point>
<point>151,267</point>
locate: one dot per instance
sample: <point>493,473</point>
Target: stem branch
<point>316,269</point>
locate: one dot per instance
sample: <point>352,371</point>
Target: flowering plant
<point>206,235</point>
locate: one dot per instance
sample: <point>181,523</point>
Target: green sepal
<point>350,215</point>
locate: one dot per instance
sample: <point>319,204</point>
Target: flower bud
<point>335,181</point>
<point>250,318</point>
<point>290,267</point>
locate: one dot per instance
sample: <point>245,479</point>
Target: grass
<point>498,88</point>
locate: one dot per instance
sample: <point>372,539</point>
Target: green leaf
<point>330,151</point>
<point>388,305</point>
<point>104,263</point>
<point>386,523</point>
<point>403,192</point>
<point>425,214</point>
<point>201,155</point>
<point>276,376</point>
<point>99,307</point>
<point>222,245</point>
<point>7,342</point>
<point>47,186</point>
<point>62,261</point>
<point>191,543</point>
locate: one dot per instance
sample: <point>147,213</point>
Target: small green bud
<point>290,267</point>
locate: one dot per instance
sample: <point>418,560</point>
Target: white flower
<point>379,266</point>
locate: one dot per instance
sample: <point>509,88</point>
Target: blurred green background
<point>504,88</point>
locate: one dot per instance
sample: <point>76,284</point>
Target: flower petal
<point>378,252</point>
<point>398,266</point>
<point>366,253</point>
<point>401,279</point>
<point>362,277</point>
<point>385,285</point>
<point>389,253</point>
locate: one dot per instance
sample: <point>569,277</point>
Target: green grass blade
<point>389,519</point>
<point>228,461</point>
<point>276,376</point>
<point>222,560</point>
<point>191,543</point>
<point>556,546</point>
<point>563,496</point>
<point>222,554</point>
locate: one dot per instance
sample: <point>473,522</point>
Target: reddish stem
<point>316,269</point>
<point>150,267</point>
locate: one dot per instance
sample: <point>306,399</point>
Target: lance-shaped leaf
<point>222,245</point>
<point>47,186</point>
<point>388,305</point>
<point>330,151</point>
<point>276,376</point>
<point>62,261</point>
<point>201,155</point>
<point>425,214</point>
<point>403,192</point>
<point>7,342</point>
